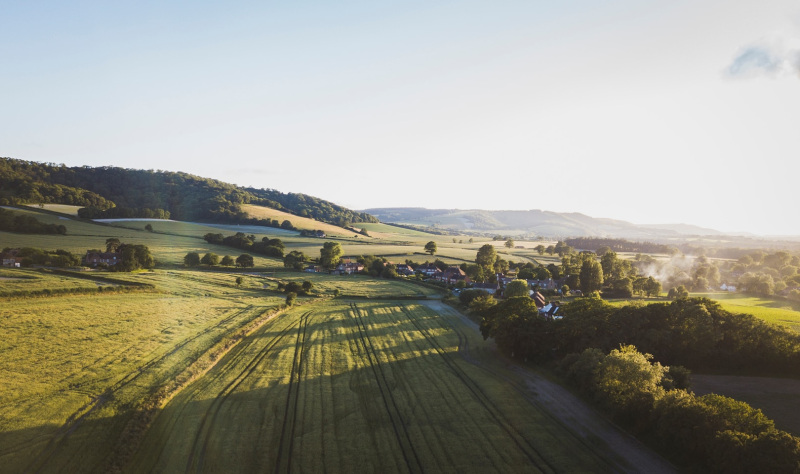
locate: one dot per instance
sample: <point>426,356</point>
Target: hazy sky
<point>646,111</point>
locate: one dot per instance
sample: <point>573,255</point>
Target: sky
<point>652,112</point>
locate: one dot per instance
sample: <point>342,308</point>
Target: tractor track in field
<point>533,454</point>
<point>209,418</point>
<point>627,453</point>
<point>97,401</point>
<point>292,400</point>
<point>399,426</point>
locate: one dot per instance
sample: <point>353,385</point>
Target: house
<point>11,258</point>
<point>428,269</point>
<point>453,275</point>
<point>404,269</point>
<point>503,279</point>
<point>348,268</point>
<point>538,299</point>
<point>546,284</point>
<point>549,311</point>
<point>95,258</point>
<point>725,287</point>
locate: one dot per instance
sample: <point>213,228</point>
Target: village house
<point>429,269</point>
<point>404,269</point>
<point>94,258</point>
<point>348,268</point>
<point>11,258</point>
<point>453,275</point>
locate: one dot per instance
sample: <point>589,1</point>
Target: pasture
<point>773,310</point>
<point>359,387</point>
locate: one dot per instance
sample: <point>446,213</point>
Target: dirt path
<point>626,452</point>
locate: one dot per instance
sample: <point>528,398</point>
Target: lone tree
<point>430,247</point>
<point>192,259</point>
<point>329,255</point>
<point>510,243</point>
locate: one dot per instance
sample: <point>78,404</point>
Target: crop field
<point>361,286</point>
<point>302,223</point>
<point>358,387</point>
<point>76,368</point>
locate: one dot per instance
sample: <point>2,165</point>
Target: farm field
<point>359,387</point>
<point>77,368</point>
<point>782,312</point>
<point>302,223</point>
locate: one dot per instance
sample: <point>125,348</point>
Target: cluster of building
<point>11,258</point>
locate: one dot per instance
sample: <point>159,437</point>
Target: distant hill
<point>533,222</point>
<point>184,196</point>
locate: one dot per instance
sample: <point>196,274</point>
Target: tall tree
<point>486,257</point>
<point>591,276</point>
<point>330,254</point>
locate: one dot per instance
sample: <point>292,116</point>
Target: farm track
<point>79,416</point>
<point>203,436</point>
<point>400,429</point>
<point>521,441</point>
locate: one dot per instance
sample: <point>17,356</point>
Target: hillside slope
<point>184,196</point>
<point>537,222</point>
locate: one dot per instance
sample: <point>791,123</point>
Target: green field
<point>358,387</point>
<point>76,368</point>
<point>773,310</point>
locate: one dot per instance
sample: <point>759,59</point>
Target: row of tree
<point>193,259</point>
<point>267,246</point>
<point>91,212</point>
<point>711,433</point>
<point>49,258</point>
<point>25,224</point>
<point>693,332</point>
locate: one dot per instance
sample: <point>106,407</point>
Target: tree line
<point>709,433</point>
<point>92,212</point>
<point>184,196</point>
<point>267,246</point>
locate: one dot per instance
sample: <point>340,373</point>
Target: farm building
<point>95,258</point>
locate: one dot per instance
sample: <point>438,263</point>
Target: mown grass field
<point>358,387</point>
<point>76,368</point>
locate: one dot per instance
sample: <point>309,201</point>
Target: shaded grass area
<point>75,368</point>
<point>356,387</point>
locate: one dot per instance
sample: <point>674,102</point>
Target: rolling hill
<point>532,222</point>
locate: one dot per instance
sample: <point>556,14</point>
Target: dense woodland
<point>183,196</point>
